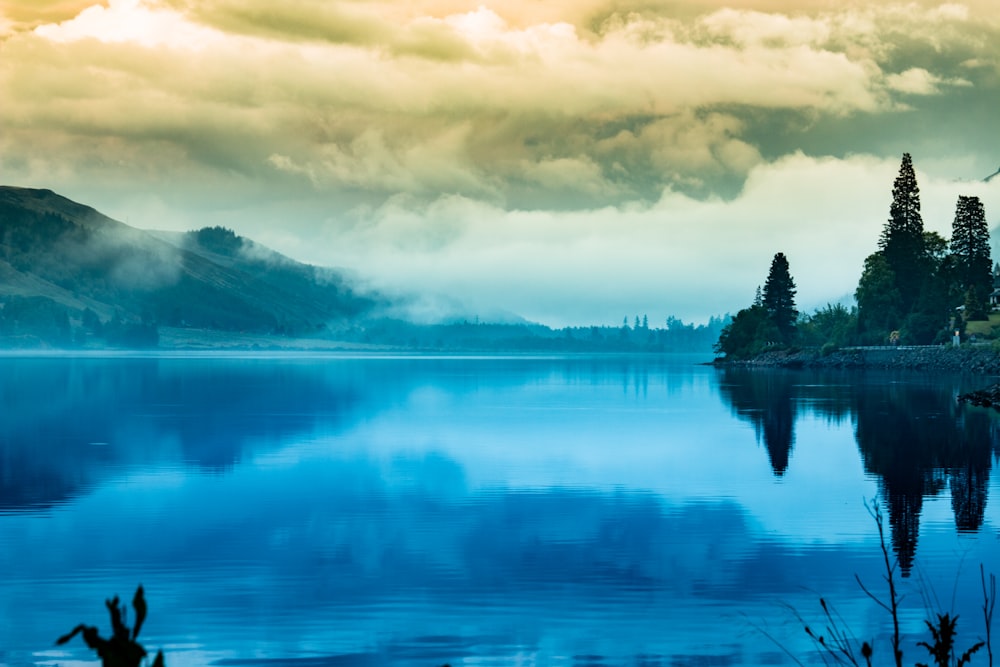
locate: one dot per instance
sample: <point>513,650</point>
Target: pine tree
<point>902,239</point>
<point>970,246</point>
<point>779,297</point>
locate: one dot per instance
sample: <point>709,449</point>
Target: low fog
<point>679,256</point>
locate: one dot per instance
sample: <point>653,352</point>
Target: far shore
<point>176,341</point>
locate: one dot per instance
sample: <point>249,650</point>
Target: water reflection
<point>68,423</point>
<point>418,511</point>
<point>911,433</point>
<point>919,441</point>
<point>768,401</point>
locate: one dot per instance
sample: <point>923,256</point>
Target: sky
<point>572,162</point>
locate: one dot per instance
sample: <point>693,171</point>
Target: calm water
<point>381,511</point>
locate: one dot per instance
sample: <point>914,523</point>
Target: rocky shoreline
<point>985,398</point>
<point>972,360</point>
<point>982,360</point>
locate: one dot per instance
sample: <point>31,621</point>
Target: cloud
<point>918,81</point>
<point>229,85</point>
<point>746,28</point>
<point>589,139</point>
<point>19,15</point>
<point>130,21</point>
<point>293,20</point>
<point>679,256</point>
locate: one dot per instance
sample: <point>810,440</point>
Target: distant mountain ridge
<point>73,278</point>
<point>55,252</point>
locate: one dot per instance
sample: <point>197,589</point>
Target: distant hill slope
<point>55,249</point>
<point>72,278</point>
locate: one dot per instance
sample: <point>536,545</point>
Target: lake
<point>332,510</point>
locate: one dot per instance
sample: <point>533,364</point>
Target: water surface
<point>313,511</point>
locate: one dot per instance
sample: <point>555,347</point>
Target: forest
<point>917,288</point>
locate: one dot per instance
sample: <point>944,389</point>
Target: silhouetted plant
<point>943,648</point>
<point>837,645</point>
<point>892,606</point>
<point>989,603</point>
<point>122,649</point>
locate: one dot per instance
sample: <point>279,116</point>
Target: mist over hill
<point>71,277</point>
<point>58,256</point>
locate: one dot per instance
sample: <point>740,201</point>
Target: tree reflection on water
<point>911,433</point>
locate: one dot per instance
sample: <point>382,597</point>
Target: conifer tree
<point>902,239</point>
<point>970,246</point>
<point>779,297</point>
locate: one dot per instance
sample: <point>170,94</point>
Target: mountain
<point>61,260</point>
<point>72,277</point>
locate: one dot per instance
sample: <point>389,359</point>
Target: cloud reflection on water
<point>388,511</point>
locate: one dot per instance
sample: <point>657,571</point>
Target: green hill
<point>63,263</point>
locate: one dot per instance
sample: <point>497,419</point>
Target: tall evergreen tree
<point>902,239</point>
<point>970,246</point>
<point>779,297</point>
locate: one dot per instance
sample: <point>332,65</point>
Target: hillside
<point>62,262</point>
<point>71,277</point>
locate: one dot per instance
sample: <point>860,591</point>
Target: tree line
<point>917,288</point>
<point>639,336</point>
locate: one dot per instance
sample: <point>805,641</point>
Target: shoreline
<point>980,360</point>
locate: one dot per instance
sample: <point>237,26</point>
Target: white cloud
<point>762,28</point>
<point>136,21</point>
<point>6,25</point>
<point>776,62</point>
<point>918,81</point>
<point>680,256</point>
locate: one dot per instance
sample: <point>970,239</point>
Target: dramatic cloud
<point>566,267</point>
<point>313,121</point>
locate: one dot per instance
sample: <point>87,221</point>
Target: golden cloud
<point>520,103</point>
<point>27,14</point>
